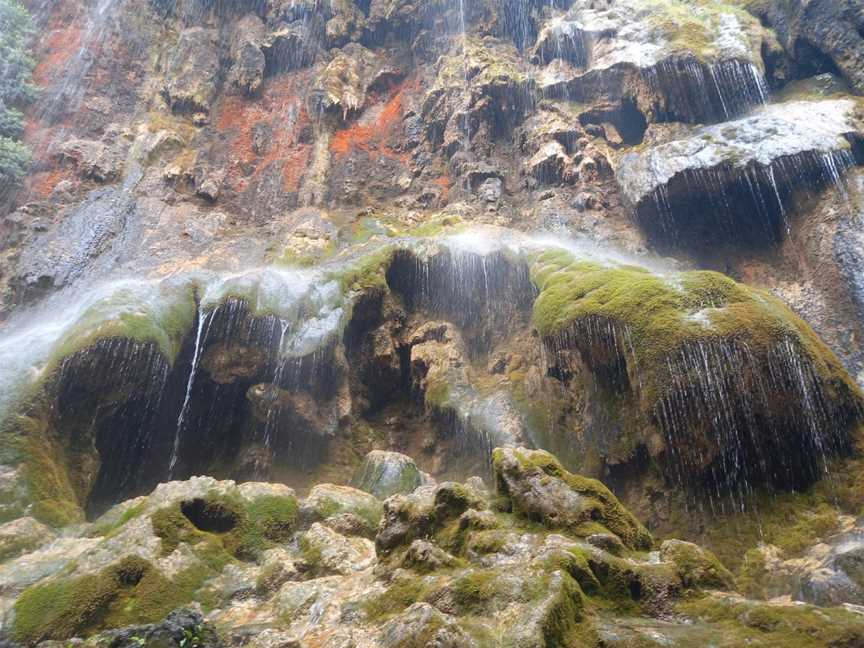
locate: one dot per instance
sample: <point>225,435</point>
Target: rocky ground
<point>547,558</point>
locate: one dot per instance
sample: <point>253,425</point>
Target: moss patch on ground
<point>762,624</point>
<point>128,592</point>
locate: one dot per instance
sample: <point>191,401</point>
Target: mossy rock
<point>697,567</point>
<point>328,500</point>
<point>539,488</point>
<point>128,592</point>
<point>387,473</point>
<point>704,359</point>
<point>794,625</point>
<point>225,526</point>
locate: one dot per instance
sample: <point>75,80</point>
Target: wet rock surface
<point>692,188</point>
<point>488,566</point>
<point>320,244</point>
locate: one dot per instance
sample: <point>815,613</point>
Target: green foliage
<point>16,89</point>
<point>11,124</point>
<point>14,159</point>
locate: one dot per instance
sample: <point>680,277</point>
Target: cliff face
<point>259,239</point>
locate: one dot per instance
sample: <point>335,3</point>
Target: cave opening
<point>811,61</point>
<point>627,119</point>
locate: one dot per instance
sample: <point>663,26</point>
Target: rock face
<point>677,61</point>
<point>517,566</point>
<point>290,244</point>
<point>646,348</point>
<point>694,188</point>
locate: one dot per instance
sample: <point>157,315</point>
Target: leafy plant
<point>16,89</point>
<point>191,637</point>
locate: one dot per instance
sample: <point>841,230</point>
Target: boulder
<point>325,501</point>
<point>325,551</point>
<point>538,487</point>
<point>697,567</point>
<point>387,473</point>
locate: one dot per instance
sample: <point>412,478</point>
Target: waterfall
<point>203,318</point>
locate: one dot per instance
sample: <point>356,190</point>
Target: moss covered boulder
<point>387,473</point>
<point>739,388</point>
<point>539,488</point>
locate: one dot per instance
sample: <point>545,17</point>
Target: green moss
<point>437,394</point>
<point>577,563</point>
<point>110,529</point>
<point>791,521</point>
<point>163,318</point>
<point>616,312</point>
<point>129,592</point>
<point>438,226</point>
<point>473,590</point>
<point>307,258</point>
<point>487,542</point>
<point>694,26</point>
<point>46,469</point>
<point>612,514</point>
<point>401,594</point>
<point>369,510</point>
<point>258,525</point>
<point>792,626</point>
<point>698,568</point>
<point>561,623</point>
<point>367,273</point>
<point>310,554</point>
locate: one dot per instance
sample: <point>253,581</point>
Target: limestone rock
<point>192,71</point>
<point>247,67</point>
<point>539,488</point>
<point>387,473</point>
<point>423,625</point>
<point>752,163</point>
<point>328,500</point>
<point>696,63</point>
<point>92,159</point>
<point>328,552</point>
<point>22,536</point>
<point>697,567</point>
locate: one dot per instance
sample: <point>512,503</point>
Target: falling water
<point>203,318</point>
